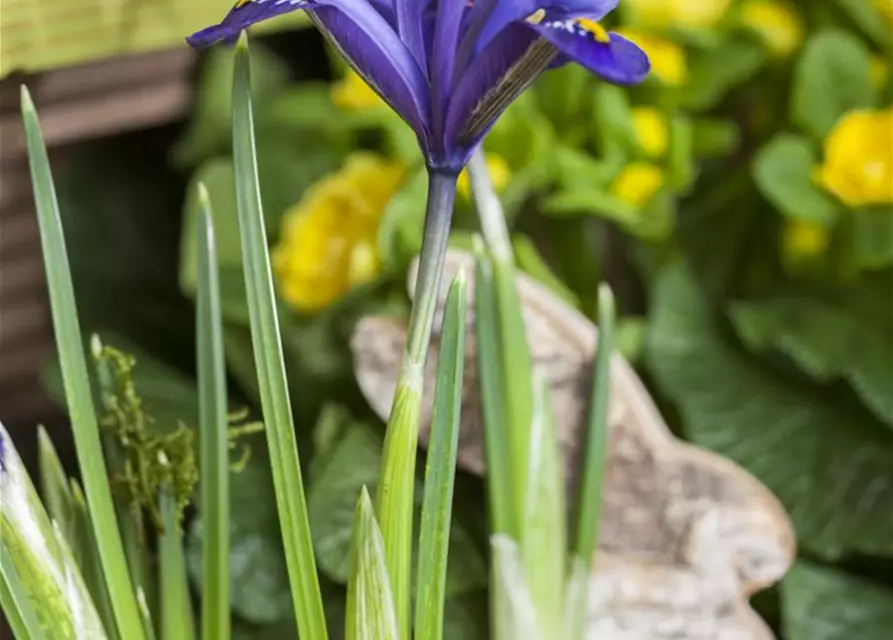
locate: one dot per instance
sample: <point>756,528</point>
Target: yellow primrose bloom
<point>777,23</point>
<point>858,165</point>
<point>638,183</point>
<point>668,60</point>
<point>500,173</point>
<point>803,240</point>
<point>652,131</point>
<point>328,243</point>
<point>352,93</point>
<point>692,14</point>
<point>879,70</point>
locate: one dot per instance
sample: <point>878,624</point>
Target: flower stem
<point>397,481</point>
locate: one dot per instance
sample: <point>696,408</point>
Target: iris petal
<point>443,56</point>
<point>618,60</point>
<point>374,50</point>
<point>242,16</point>
<point>409,26</point>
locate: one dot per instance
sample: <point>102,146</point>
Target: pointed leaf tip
<point>27,102</point>
<point>606,298</point>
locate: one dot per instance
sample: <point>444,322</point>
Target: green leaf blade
<point>176,609</point>
<point>370,605</point>
<point>213,427</point>
<point>441,468</point>
<point>287,478</point>
<point>76,380</point>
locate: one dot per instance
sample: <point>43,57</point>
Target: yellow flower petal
<point>638,183</point>
<point>668,60</point>
<point>777,23</point>
<point>804,241</point>
<point>652,132</point>
<point>351,93</point>
<point>858,162</point>
<point>691,14</point>
<point>328,240</point>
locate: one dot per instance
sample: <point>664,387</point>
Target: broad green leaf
<point>440,470</point>
<point>865,15</point>
<point>827,604</point>
<point>38,559</point>
<point>832,337</point>
<point>370,606</point>
<point>831,78</point>
<point>76,380</point>
<point>714,138</point>
<point>831,464</point>
<point>400,227</point>
<point>268,353</point>
<point>715,70</point>
<point>681,170</point>
<point>783,173</point>
<point>613,124</point>
<point>873,237</point>
<point>544,532</point>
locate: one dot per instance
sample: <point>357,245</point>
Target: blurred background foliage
<point>740,203</point>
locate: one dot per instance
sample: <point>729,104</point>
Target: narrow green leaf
<point>496,449</point>
<point>176,609</point>
<point>214,429</point>
<point>543,534</point>
<point>75,377</point>
<point>148,625</point>
<point>91,565</point>
<point>15,602</point>
<point>370,606</point>
<point>284,458</point>
<point>513,614</point>
<point>440,473</point>
<point>56,494</point>
<point>589,508</point>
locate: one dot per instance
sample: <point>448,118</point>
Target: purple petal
<point>242,16</point>
<point>409,26</point>
<point>443,56</point>
<point>487,86</point>
<point>374,50</point>
<point>618,60</point>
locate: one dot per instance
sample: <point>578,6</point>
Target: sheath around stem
<point>397,479</point>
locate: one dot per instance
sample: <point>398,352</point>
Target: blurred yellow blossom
<point>328,242</point>
<point>858,164</point>
<point>668,59</point>
<point>352,93</point>
<point>500,173</point>
<point>879,70</point>
<point>693,14</point>
<point>652,132</point>
<point>885,8</point>
<point>638,183</point>
<point>776,22</point>
<point>803,240</point>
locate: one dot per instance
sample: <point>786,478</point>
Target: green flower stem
<point>395,490</point>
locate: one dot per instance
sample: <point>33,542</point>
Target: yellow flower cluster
<point>639,182</point>
<point>692,14</point>
<point>669,63</point>
<point>328,242</point>
<point>777,23</point>
<point>858,162</point>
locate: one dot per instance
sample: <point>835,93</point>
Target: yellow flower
<point>858,165</point>
<point>777,23</point>
<point>352,93</point>
<point>652,132</point>
<point>668,60</point>
<point>692,14</point>
<point>500,173</point>
<point>638,183</point>
<point>803,240</point>
<point>328,241</point>
<point>879,70</point>
<point>885,8</point>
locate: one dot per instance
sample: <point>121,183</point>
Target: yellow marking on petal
<point>858,158</point>
<point>328,240</point>
<point>500,174</point>
<point>595,29</point>
<point>652,131</point>
<point>638,183</point>
<point>242,3</point>
<point>537,16</point>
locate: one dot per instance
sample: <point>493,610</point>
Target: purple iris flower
<point>450,68</point>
